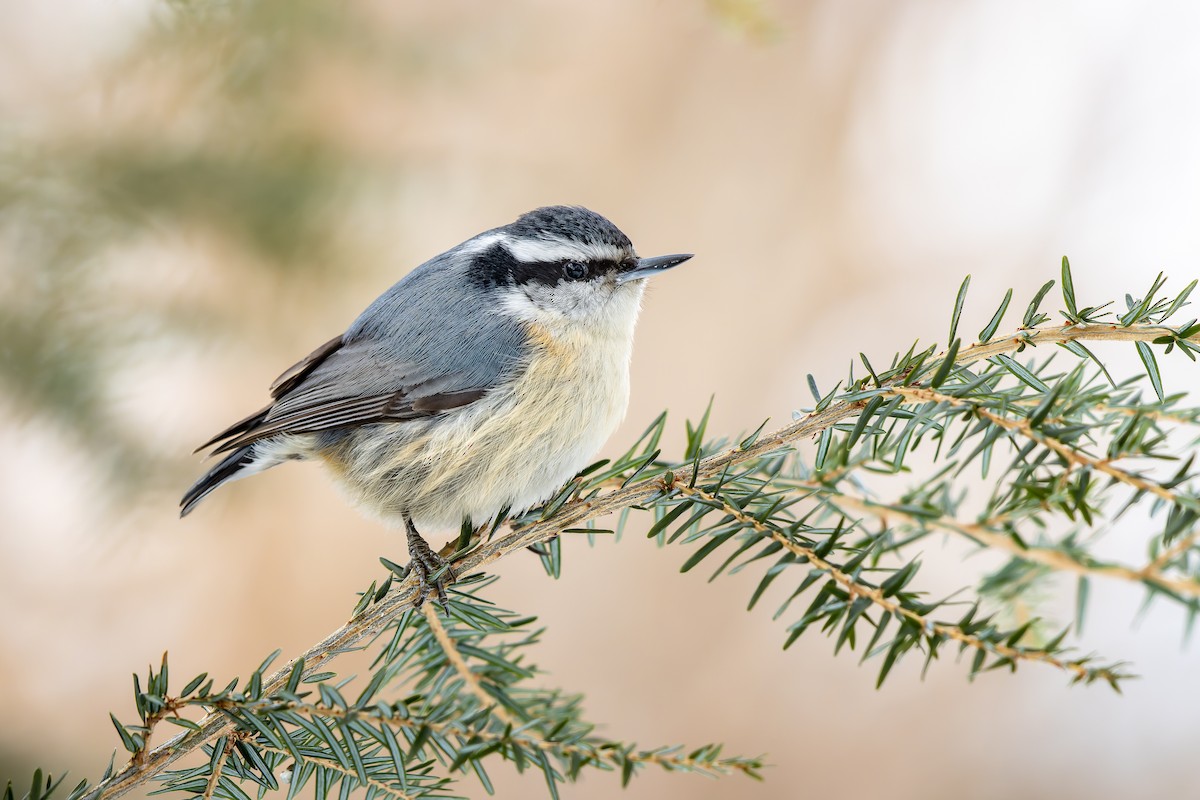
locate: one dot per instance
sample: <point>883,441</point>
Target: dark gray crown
<point>569,222</point>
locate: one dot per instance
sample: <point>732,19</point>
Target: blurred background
<point>195,194</point>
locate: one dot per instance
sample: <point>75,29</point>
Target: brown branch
<point>1061,334</point>
<point>367,625</point>
<point>470,679</point>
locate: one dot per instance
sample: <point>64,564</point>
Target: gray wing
<point>427,346</point>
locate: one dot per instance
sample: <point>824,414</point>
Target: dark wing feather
<point>348,413</point>
<point>293,375</point>
<point>241,426</point>
<point>290,379</point>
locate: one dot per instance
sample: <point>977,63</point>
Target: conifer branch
<point>668,760</point>
<point>579,511</point>
<point>857,588</point>
<point>1024,428</point>
<point>989,534</point>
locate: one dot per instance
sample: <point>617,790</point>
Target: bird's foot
<point>426,564</point>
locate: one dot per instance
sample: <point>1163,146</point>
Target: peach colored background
<point>836,173</point>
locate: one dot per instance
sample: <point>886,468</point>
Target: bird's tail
<point>238,464</point>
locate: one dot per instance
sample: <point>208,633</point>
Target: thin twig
<point>1105,408</point>
<point>375,618</point>
<point>152,720</point>
<point>470,679</point>
<point>1148,413</point>
<point>215,777</point>
<point>1061,334</point>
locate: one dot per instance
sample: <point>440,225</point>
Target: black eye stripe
<point>497,266</point>
<point>546,273</point>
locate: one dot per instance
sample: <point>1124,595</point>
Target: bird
<point>483,380</point>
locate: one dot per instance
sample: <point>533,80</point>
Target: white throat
<point>578,309</point>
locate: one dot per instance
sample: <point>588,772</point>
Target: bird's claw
<point>426,563</point>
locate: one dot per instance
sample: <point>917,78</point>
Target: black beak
<point>652,266</point>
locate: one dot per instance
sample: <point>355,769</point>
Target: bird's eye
<point>574,270</point>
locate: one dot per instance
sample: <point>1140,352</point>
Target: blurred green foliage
<point>203,142</point>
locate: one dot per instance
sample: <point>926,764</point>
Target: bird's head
<point>566,265</point>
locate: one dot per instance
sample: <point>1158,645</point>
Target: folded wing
<point>412,354</point>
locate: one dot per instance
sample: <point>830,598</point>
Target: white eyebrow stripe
<point>481,243</point>
<point>547,250</point>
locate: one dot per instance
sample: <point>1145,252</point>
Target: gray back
<point>433,332</point>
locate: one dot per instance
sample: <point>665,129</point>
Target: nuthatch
<point>483,380</point>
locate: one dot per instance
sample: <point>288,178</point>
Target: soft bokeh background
<point>191,201</point>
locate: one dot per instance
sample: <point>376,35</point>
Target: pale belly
<point>512,449</point>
